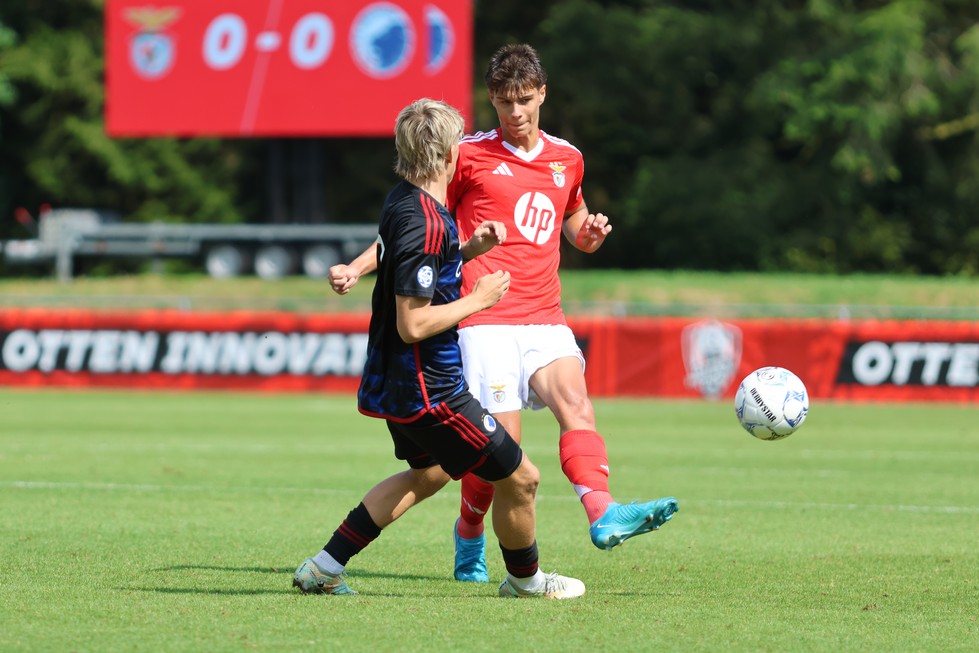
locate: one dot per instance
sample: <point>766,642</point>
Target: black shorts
<point>462,437</point>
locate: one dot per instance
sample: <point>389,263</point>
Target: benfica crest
<point>152,51</point>
<point>558,173</point>
<point>711,354</point>
<point>499,392</point>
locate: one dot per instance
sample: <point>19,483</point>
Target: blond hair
<point>424,135</point>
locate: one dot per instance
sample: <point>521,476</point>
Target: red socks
<point>477,495</point>
<point>585,463</point>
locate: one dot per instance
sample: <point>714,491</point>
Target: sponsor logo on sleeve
<point>425,276</point>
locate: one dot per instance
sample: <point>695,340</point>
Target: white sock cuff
<point>528,584</point>
<point>327,564</point>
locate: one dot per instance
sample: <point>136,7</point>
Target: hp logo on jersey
<point>534,216</point>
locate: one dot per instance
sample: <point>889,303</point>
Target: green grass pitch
<point>149,521</point>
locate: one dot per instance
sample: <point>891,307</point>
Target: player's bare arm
<point>419,319</point>
<point>486,236</point>
<point>343,277</point>
<point>586,231</point>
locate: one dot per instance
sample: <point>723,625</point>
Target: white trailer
<point>269,250</point>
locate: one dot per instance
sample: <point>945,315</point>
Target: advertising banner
<point>174,350</point>
<point>281,67</point>
<point>626,357</point>
<point>837,359</point>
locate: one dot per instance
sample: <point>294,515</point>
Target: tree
<point>56,150</point>
<point>778,135</point>
<point>809,135</point>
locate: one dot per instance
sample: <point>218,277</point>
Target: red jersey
<point>530,192</point>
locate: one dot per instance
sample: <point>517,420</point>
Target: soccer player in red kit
<point>520,353</point>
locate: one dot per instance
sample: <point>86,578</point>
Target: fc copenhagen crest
<point>152,51</point>
<point>711,354</point>
<point>558,173</point>
<point>382,40</point>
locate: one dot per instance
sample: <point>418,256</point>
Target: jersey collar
<point>526,156</point>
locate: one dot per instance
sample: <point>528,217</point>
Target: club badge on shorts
<point>499,392</point>
<point>489,423</point>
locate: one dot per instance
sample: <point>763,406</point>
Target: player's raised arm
<point>487,235</point>
<point>586,231</point>
<point>419,319</point>
<point>343,277</point>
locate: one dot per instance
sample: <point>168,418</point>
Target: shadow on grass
<point>414,593</point>
<point>205,591</point>
<point>258,570</point>
<point>289,570</point>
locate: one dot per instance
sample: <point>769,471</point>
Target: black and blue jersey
<point>419,256</point>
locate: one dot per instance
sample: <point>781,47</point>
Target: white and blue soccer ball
<point>771,403</point>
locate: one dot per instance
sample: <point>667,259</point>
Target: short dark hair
<point>515,68</point>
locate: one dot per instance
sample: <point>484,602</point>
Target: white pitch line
<point>787,505</point>
<point>148,487</point>
<point>952,510</point>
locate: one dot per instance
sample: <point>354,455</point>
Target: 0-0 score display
<point>278,67</point>
<point>226,37</point>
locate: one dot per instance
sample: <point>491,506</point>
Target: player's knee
<point>526,478</point>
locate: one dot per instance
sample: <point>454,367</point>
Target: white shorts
<point>498,361</point>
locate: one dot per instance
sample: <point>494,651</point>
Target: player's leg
<point>491,366</point>
<point>503,464</point>
<point>514,522</point>
<point>468,532</point>
<point>384,503</point>
<point>477,494</point>
<point>393,496</point>
<point>560,384</point>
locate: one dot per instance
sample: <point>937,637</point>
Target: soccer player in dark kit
<point>413,376</point>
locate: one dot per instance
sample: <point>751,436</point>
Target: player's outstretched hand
<point>592,233</point>
<point>487,235</point>
<point>342,278</point>
<point>490,288</point>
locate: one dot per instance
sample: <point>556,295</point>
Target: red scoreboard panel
<point>281,67</point>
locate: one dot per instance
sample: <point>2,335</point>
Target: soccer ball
<point>771,403</point>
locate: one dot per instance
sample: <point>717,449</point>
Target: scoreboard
<point>281,67</point>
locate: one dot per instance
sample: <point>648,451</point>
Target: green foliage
<point>7,40</point>
<point>773,136</point>
<point>817,136</point>
<point>58,152</point>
